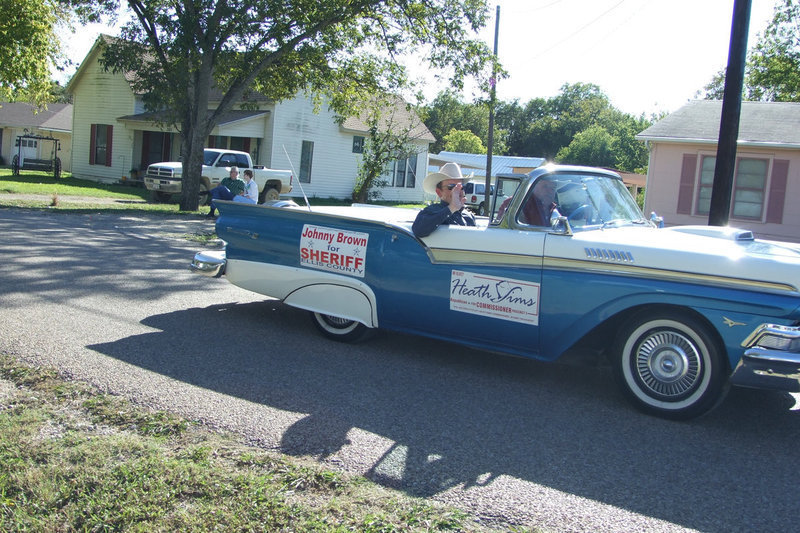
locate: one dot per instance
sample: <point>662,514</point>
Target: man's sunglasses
<point>451,186</point>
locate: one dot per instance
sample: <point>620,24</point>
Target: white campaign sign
<point>334,250</point>
<point>503,298</point>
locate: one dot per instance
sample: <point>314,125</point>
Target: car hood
<point>703,250</point>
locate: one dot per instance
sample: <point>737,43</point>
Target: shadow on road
<point>460,417</point>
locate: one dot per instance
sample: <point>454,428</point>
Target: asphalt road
<point>109,300</point>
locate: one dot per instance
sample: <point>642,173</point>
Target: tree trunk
<point>195,129</point>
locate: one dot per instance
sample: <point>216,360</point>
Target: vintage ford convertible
<point>681,313</point>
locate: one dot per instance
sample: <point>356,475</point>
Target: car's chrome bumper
<point>771,359</point>
<point>209,263</point>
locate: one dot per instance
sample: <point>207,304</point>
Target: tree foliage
<point>579,125</point>
<point>178,53</point>
<point>29,48</point>
<point>390,137</point>
<point>772,72</point>
<point>447,112</point>
<point>593,146</point>
<point>463,141</point>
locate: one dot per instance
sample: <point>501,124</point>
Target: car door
<point>474,285</point>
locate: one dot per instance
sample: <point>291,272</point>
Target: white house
<point>114,135</point>
<point>20,118</point>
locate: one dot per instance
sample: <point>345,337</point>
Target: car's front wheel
<point>670,365</point>
<point>339,329</point>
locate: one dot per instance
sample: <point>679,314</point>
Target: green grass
<point>96,196</point>
<point>32,182</point>
<point>73,459</point>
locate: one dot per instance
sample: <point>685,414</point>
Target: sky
<point>647,56</point>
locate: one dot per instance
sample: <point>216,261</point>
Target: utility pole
<point>720,208</point>
<point>490,140</point>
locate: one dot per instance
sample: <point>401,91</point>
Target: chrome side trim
<point>613,262</point>
<point>666,275</point>
<point>448,255</point>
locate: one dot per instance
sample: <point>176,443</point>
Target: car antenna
<point>298,177</point>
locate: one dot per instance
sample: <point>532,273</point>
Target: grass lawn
<point>74,459</point>
<point>96,195</point>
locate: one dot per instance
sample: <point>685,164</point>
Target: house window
<point>706,182</point>
<point>404,172</point>
<point>100,144</point>
<point>218,141</point>
<point>749,187</point>
<point>306,156</point>
<point>241,144</point>
<point>358,144</point>
<point>411,175</point>
<point>400,172</point>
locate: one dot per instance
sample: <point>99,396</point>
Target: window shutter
<point>246,145</point>
<point>686,188</point>
<point>777,191</point>
<point>212,141</point>
<point>109,136</point>
<point>92,143</point>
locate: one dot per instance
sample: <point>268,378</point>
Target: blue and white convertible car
<point>681,313</point>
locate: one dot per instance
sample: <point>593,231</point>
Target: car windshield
<point>588,200</point>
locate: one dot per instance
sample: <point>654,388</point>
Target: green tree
<point>392,128</point>
<point>774,66</point>
<point>29,48</point>
<point>772,72</point>
<point>177,53</point>
<point>593,146</point>
<point>463,141</point>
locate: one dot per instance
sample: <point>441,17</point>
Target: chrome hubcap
<point>668,363</point>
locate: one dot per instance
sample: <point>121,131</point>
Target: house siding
<point>666,195</point>
<point>101,98</point>
<point>334,167</point>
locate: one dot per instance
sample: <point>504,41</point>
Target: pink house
<point>683,148</point>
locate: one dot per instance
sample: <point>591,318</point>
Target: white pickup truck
<point>164,179</point>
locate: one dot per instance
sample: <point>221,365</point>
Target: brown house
<point>683,148</point>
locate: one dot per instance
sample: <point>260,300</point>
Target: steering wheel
<point>582,212</point>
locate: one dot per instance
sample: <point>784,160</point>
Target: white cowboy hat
<point>448,171</point>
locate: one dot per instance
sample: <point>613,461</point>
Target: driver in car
<point>540,205</point>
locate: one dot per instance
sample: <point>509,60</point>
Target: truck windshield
<point>209,157</point>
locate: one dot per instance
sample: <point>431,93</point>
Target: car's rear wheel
<point>339,329</point>
<point>670,365</point>
<point>482,209</point>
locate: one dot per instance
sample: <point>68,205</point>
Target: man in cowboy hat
<point>447,184</point>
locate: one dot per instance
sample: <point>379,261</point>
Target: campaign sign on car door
<point>503,298</point>
<point>334,250</point>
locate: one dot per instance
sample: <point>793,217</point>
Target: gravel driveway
<point>108,299</point>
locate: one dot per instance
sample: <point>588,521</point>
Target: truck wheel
<point>204,198</point>
<point>270,193</point>
<point>669,364</point>
<point>340,329</point>
<point>481,210</point>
